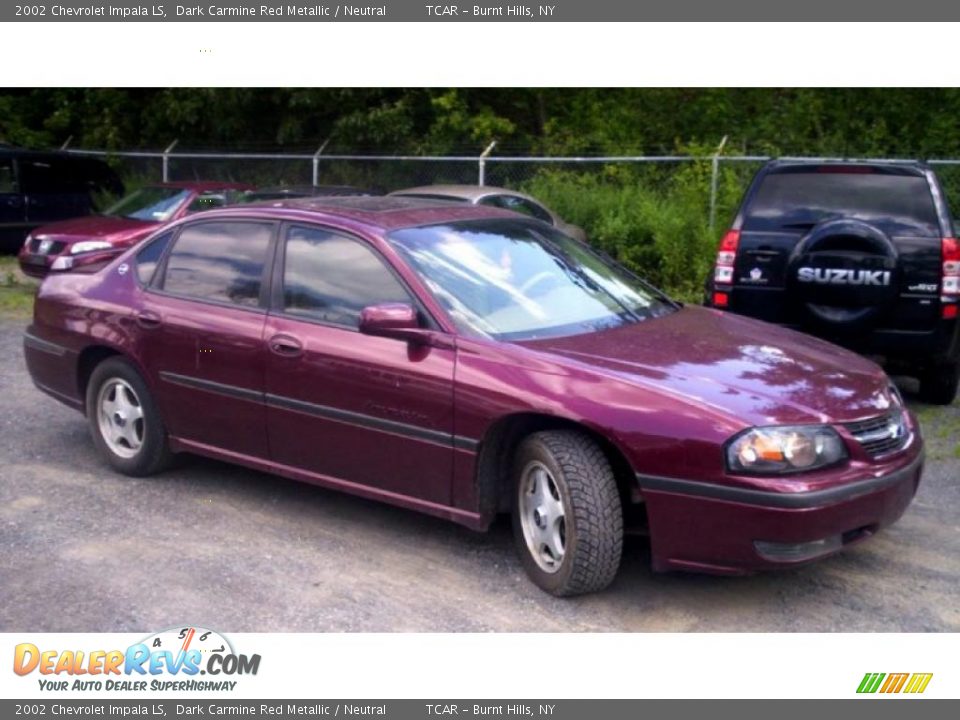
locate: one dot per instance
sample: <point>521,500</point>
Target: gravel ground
<point>85,549</point>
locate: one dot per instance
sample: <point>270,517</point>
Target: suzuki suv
<point>860,253</point>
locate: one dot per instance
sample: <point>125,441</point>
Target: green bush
<point>655,223</point>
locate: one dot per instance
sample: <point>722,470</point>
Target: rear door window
<point>797,201</point>
<point>219,262</point>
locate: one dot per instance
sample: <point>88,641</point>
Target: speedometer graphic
<point>183,639</point>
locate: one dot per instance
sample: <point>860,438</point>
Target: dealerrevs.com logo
<point>180,659</point>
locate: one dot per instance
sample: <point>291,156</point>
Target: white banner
<point>451,666</point>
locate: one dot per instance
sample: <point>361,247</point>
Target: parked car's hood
<point>752,370</point>
<point>96,227</point>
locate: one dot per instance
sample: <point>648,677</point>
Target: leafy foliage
<point>658,230</point>
<point>813,121</point>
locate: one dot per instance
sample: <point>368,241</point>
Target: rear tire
<point>567,516</point>
<point>124,421</point>
<point>939,383</point>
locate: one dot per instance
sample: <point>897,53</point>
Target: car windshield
<point>517,280</point>
<point>154,204</point>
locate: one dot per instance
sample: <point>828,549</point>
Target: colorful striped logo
<point>894,683</point>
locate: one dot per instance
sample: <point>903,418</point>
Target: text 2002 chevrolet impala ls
<point>464,361</point>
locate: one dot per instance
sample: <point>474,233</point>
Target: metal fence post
<point>714,181</point>
<point>316,162</point>
<point>166,160</point>
<point>482,173</point>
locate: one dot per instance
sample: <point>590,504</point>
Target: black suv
<point>860,253</point>
<point>38,187</point>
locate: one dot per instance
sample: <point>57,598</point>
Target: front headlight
<point>89,246</point>
<point>779,450</point>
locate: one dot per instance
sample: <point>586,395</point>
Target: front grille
<point>880,435</point>
<point>55,247</point>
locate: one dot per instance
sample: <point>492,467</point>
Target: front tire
<point>939,383</point>
<point>567,517</point>
<point>124,421</point>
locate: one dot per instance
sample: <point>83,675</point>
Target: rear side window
<point>219,261</point>
<point>518,204</point>
<point>791,201</point>
<point>148,258</point>
<point>332,278</point>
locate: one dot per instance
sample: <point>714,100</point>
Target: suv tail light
<point>726,257</point>
<point>950,282</point>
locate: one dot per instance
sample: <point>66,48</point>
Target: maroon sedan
<point>464,361</point>
<point>97,238</point>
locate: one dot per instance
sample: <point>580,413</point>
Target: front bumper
<point>34,265</point>
<point>706,527</point>
<point>39,266</point>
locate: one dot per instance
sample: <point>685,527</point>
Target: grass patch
<point>16,291</point>
<point>941,428</point>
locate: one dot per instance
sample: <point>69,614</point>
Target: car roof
<point>913,166</point>
<point>385,213</point>
<point>6,149</point>
<point>203,185</point>
<point>29,154</point>
<point>464,192</point>
<point>312,190</point>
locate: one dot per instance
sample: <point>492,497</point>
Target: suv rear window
<point>896,203</point>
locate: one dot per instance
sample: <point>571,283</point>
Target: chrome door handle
<point>285,345</point>
<point>148,320</point>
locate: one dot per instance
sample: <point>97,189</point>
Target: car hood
<point>96,227</point>
<point>756,372</point>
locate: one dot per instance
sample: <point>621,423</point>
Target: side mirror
<point>393,320</point>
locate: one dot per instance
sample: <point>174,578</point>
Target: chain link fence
<point>721,179</point>
<point>660,216</point>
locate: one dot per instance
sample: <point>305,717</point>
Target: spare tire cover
<point>843,274</point>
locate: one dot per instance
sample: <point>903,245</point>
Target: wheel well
<point>89,359</point>
<point>500,444</point>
